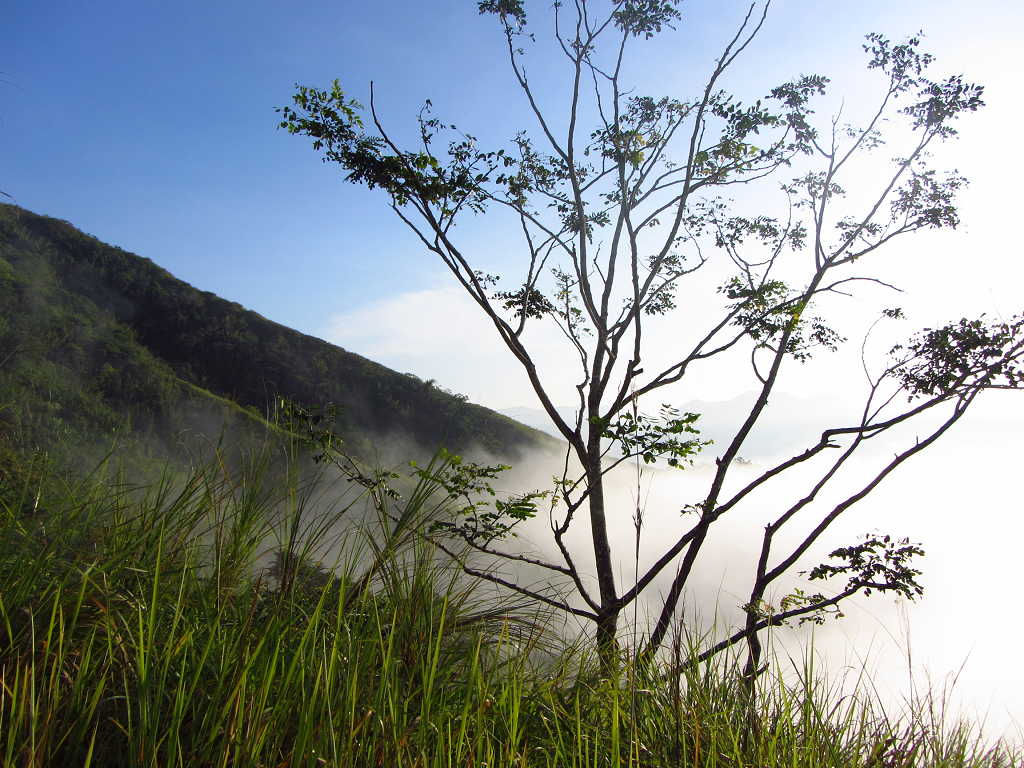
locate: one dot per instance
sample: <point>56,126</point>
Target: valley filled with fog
<point>960,500</point>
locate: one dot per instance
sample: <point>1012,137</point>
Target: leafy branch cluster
<point>877,563</point>
<point>945,360</point>
<point>472,516</point>
<point>639,435</point>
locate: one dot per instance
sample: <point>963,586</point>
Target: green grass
<point>235,617</point>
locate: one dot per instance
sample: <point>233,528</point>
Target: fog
<point>959,499</point>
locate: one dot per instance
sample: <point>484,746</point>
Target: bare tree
<point>613,218</point>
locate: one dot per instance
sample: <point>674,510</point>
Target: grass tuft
<point>238,617</point>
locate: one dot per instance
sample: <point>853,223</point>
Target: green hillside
<point>95,340</point>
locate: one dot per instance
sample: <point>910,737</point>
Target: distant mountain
<point>788,424</point>
<point>538,418</point>
<point>785,425</point>
<point>98,339</point>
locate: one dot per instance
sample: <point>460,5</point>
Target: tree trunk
<point>608,616</point>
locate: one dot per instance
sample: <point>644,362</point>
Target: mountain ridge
<point>94,310</point>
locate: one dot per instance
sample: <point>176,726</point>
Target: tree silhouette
<point>618,205</point>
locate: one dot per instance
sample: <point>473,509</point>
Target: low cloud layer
<point>959,500</point>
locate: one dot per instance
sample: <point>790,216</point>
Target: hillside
<point>94,339</point>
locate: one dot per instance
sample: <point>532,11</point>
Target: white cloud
<point>440,333</point>
<point>420,324</point>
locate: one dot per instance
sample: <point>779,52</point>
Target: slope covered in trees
<point>95,340</point>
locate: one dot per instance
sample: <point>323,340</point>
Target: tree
<point>614,221</point>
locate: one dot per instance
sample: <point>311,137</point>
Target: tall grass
<point>235,617</point>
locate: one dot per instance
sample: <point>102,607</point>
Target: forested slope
<point>98,339</point>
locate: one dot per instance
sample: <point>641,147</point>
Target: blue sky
<point>151,125</point>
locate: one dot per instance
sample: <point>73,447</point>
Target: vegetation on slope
<point>97,340</point>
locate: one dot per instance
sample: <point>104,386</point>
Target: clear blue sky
<point>151,125</point>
